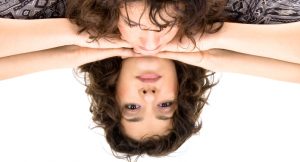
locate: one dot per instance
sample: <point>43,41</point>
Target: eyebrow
<point>138,119</point>
<point>130,21</point>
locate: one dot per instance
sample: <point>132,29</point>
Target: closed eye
<point>132,23</point>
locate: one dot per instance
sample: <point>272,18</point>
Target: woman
<point>104,79</point>
<point>177,102</point>
<point>135,130</point>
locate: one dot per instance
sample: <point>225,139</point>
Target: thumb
<point>113,43</point>
<point>121,52</point>
<point>192,58</point>
<point>87,55</point>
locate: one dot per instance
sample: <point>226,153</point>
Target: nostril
<point>153,91</point>
<point>144,91</point>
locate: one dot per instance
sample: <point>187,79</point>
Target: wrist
<point>210,41</point>
<point>218,38</point>
<point>71,56</point>
<point>74,35</point>
<point>228,36</point>
<point>71,33</point>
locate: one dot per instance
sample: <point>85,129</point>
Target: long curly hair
<point>100,18</point>
<point>101,78</point>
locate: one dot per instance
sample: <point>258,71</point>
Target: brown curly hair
<point>100,18</point>
<point>100,80</point>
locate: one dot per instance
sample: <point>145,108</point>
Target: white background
<point>44,117</point>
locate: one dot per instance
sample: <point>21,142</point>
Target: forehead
<point>139,9</point>
<point>140,130</point>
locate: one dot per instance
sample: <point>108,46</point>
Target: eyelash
<point>133,107</point>
<point>166,104</point>
<point>135,25</point>
<point>129,107</point>
<point>131,24</point>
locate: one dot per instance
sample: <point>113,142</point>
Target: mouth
<point>148,78</point>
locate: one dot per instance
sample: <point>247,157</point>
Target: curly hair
<point>100,18</point>
<point>100,79</point>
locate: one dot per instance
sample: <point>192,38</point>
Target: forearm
<point>21,36</point>
<point>229,61</point>
<point>278,41</point>
<point>56,58</point>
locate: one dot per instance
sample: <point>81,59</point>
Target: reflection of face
<point>147,88</point>
<point>145,38</point>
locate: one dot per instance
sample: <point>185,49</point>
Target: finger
<point>132,55</point>
<point>113,43</point>
<point>192,58</point>
<point>121,52</point>
<point>87,55</point>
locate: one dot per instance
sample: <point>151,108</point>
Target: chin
<point>147,61</point>
<point>146,53</point>
<point>144,58</point>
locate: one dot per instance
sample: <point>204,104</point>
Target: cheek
<point>128,34</point>
<point>170,87</point>
<point>169,36</point>
<point>125,85</point>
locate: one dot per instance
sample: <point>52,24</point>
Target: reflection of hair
<point>100,79</point>
<point>100,17</point>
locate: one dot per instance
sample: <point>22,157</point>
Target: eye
<point>132,107</point>
<point>131,24</point>
<point>166,104</point>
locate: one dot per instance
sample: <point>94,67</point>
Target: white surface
<point>44,117</point>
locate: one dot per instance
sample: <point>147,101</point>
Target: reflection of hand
<point>203,42</point>
<point>200,59</point>
<point>83,40</point>
<point>85,55</point>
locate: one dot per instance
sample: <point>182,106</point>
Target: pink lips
<point>149,78</point>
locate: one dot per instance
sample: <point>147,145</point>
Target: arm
<point>278,41</point>
<point>17,65</point>
<point>55,58</point>
<point>228,61</point>
<point>21,36</point>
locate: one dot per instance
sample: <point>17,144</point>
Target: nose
<point>148,94</point>
<point>149,40</point>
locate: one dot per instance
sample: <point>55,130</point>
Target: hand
<point>83,40</point>
<point>204,42</point>
<point>83,55</point>
<point>199,59</point>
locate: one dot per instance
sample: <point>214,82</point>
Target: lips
<point>148,78</point>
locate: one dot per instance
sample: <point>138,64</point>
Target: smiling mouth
<point>148,78</point>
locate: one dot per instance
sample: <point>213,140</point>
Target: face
<point>147,89</point>
<point>142,34</point>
